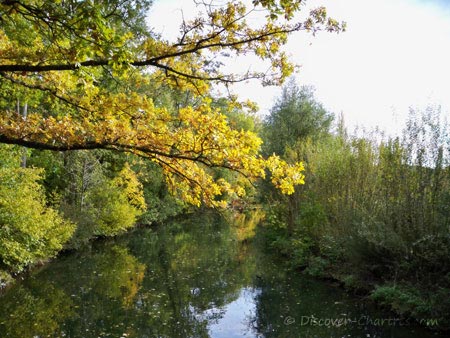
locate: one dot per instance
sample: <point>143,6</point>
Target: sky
<point>394,55</point>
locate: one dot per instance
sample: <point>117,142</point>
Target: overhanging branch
<point>142,151</point>
<point>153,62</point>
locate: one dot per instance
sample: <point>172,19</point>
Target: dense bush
<point>101,194</point>
<point>374,210</point>
<point>29,230</point>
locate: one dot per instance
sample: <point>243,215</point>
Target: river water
<point>188,278</point>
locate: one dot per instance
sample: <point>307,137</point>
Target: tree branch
<point>148,62</point>
<point>53,92</point>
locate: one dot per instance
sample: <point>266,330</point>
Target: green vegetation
<point>372,214</point>
<point>129,117</point>
<point>374,210</point>
<point>122,128</point>
<point>30,231</point>
<point>63,200</point>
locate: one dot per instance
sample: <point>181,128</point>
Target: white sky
<point>394,54</point>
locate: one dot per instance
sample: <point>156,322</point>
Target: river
<point>188,278</point>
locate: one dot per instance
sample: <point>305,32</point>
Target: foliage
<point>85,70</point>
<point>5,279</point>
<point>373,212</point>
<point>103,195</point>
<point>295,116</point>
<point>402,300</point>
<point>116,204</point>
<point>428,307</point>
<point>296,122</point>
<point>29,230</point>
<point>161,205</point>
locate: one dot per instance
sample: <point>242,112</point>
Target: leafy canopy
<point>89,72</point>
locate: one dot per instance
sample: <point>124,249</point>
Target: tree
<point>295,117</point>
<point>84,68</point>
<point>296,125</point>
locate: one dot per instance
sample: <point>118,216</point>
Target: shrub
<point>29,231</point>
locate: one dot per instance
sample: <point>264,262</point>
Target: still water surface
<point>186,279</point>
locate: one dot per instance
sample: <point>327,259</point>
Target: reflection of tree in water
<point>174,282</point>
<point>34,309</point>
<point>196,273</point>
<point>287,302</point>
<point>120,276</point>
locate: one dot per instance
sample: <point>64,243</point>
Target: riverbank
<point>411,302</point>
<point>188,278</point>
<point>155,219</point>
<point>409,297</point>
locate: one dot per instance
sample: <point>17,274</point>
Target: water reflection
<point>238,318</point>
<point>35,310</point>
<point>187,279</point>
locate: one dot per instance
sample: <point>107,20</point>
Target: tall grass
<point>375,213</point>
